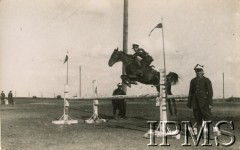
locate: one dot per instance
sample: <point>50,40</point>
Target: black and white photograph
<point>120,74</point>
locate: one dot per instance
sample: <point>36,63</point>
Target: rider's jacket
<point>141,53</point>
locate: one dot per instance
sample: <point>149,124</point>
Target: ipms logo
<point>204,133</point>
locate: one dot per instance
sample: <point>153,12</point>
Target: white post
<point>95,102</point>
<point>161,129</point>
<point>65,119</point>
<point>161,102</point>
<point>164,98</point>
<point>65,103</point>
<point>95,118</point>
<point>163,106</point>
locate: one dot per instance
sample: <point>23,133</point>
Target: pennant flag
<point>158,26</point>
<point>66,59</point>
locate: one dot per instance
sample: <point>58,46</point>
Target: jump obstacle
<point>95,117</point>
<point>161,98</point>
<point>65,119</point>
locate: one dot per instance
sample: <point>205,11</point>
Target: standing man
<point>200,96</point>
<point>10,98</point>
<point>2,98</point>
<point>146,58</point>
<point>117,103</point>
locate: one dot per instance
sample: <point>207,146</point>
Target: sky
<point>36,35</point>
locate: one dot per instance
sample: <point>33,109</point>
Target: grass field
<point>28,126</point>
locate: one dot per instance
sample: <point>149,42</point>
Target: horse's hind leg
<point>175,106</point>
<point>132,79</point>
<point>170,106</point>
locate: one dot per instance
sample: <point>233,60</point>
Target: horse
<point>150,76</point>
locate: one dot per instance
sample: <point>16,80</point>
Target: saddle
<point>140,68</point>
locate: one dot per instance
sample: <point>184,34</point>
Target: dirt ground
<point>28,126</point>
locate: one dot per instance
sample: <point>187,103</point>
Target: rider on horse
<point>146,58</point>
<point>150,77</point>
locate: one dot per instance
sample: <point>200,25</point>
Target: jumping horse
<point>149,75</point>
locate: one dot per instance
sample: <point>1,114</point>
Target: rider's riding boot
<point>140,72</point>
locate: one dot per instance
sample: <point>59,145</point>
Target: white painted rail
<point>144,96</point>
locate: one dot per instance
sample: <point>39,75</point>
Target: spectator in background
<point>118,103</point>
<point>10,98</point>
<point>2,98</point>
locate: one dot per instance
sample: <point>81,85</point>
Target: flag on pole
<point>66,58</point>
<point>158,26</point>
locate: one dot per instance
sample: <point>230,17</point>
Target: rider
<point>146,58</point>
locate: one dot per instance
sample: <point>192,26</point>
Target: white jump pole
<point>65,119</point>
<point>95,118</point>
<point>161,129</point>
<point>161,102</point>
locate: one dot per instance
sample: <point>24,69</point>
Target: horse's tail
<point>158,76</point>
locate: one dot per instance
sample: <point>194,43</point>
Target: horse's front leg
<point>126,80</point>
<point>132,79</point>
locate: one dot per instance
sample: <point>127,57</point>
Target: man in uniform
<point>2,98</point>
<point>200,96</point>
<point>118,103</point>
<point>146,58</point>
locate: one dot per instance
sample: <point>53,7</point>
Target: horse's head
<point>114,58</point>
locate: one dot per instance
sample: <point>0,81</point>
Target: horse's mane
<point>128,55</point>
<point>125,53</point>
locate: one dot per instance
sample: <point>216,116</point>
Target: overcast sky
<point>35,36</point>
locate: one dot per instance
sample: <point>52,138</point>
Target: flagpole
<point>163,106</point>
<point>223,85</point>
<point>65,91</point>
<point>164,61</point>
<point>67,71</point>
<point>125,38</point>
<point>65,119</point>
<point>80,76</point>
<point>65,94</point>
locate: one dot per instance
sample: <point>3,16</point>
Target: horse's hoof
<point>134,82</point>
<point>129,85</point>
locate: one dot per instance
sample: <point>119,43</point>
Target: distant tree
<point>34,97</point>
